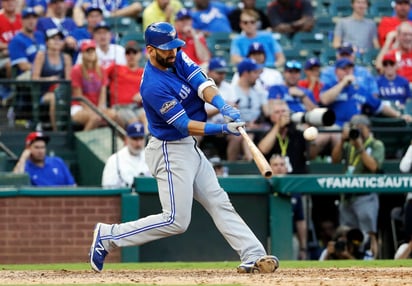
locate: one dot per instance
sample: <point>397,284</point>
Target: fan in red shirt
<point>10,24</point>
<point>389,23</point>
<point>312,80</point>
<point>124,86</point>
<point>402,39</point>
<point>196,47</point>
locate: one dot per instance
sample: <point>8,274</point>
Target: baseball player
<point>174,90</point>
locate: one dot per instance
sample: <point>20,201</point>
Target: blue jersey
<point>169,94</point>
<point>350,102</point>
<point>24,49</point>
<point>53,173</point>
<point>295,104</point>
<point>363,77</point>
<point>213,19</point>
<point>240,46</point>
<point>107,6</point>
<point>34,3</point>
<point>394,90</point>
<point>65,26</point>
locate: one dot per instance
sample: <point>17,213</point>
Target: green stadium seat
<point>340,8</point>
<point>310,43</point>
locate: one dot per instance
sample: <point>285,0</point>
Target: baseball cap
<point>360,119</point>
<point>50,33</point>
<point>93,8</point>
<point>248,65</point>
<point>218,65</point>
<point>87,44</point>
<point>183,14</point>
<point>132,46</point>
<point>102,25</point>
<point>34,136</point>
<point>135,129</point>
<point>293,65</point>
<point>345,48</point>
<point>255,48</point>
<point>28,11</point>
<point>343,63</point>
<point>389,57</point>
<point>312,62</point>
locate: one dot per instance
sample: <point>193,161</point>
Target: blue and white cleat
<point>265,264</point>
<point>97,252</point>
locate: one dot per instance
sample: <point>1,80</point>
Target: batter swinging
<point>174,90</point>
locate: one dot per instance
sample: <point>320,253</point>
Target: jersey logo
<point>167,106</point>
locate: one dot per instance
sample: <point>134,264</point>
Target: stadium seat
<point>328,56</point>
<point>309,42</point>
<point>341,8</point>
<point>121,25</point>
<point>325,25</point>
<point>133,36</point>
<point>380,8</point>
<point>219,43</point>
<point>295,54</point>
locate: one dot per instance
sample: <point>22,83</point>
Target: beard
<point>164,62</point>
<point>134,151</point>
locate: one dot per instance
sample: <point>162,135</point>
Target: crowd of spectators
<point>74,40</point>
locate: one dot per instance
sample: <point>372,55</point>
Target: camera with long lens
<point>316,117</point>
<point>354,133</point>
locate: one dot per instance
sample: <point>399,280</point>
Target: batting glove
<point>232,128</point>
<point>230,113</point>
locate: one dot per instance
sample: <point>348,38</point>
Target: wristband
<point>218,101</point>
<point>212,129</point>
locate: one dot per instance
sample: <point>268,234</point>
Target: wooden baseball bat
<point>258,157</point>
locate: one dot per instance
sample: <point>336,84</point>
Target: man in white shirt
<point>129,162</point>
<point>107,53</point>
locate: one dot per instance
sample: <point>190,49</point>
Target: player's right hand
<point>232,128</point>
<point>230,113</point>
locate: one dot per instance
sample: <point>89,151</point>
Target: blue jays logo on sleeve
<point>168,106</point>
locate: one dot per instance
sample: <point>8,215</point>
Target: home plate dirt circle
<point>291,277</point>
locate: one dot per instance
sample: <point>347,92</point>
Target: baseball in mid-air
<point>310,133</point>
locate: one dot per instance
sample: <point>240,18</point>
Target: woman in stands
<point>50,65</point>
<point>90,82</point>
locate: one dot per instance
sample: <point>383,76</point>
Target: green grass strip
<point>210,265</point>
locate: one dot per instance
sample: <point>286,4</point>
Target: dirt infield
<point>291,277</point>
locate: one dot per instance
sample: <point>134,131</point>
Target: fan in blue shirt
<point>210,16</point>
<point>392,87</point>
<point>43,170</point>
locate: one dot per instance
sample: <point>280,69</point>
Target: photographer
<point>362,154</point>
<point>346,246</point>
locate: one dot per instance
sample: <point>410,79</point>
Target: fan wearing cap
<point>118,8</point>
<point>49,65</point>
<point>93,16</point>
<point>161,10</point>
<point>56,19</point>
<point>299,99</point>
<point>240,43</point>
<point>196,46</point>
<point>129,162</point>
<point>312,81</point>
<point>362,154</point>
<point>389,24</point>
<point>107,53</point>
<point>392,87</point>
<point>252,104</point>
<point>24,46</point>
<point>42,169</point>
<point>346,98</point>
<point>90,82</point>
<point>269,76</point>
<point>402,40</point>
<point>366,36</point>
<point>364,77</point>
<point>124,86</point>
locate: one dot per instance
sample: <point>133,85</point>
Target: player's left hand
<point>230,113</point>
<point>232,128</point>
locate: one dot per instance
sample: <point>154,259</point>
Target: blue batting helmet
<point>163,36</point>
